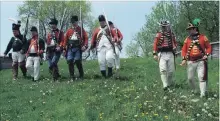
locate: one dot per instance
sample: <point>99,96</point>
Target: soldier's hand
<point>156,57</point>
<point>83,48</point>
<point>205,57</point>
<point>93,50</point>
<point>183,63</point>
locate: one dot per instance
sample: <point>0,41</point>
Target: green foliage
<point>179,13</point>
<point>45,10</point>
<point>137,95</point>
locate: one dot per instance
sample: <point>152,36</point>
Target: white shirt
<point>103,42</point>
<point>32,50</point>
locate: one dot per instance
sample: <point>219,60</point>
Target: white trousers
<point>117,57</point>
<point>33,67</point>
<point>192,67</point>
<point>105,55</point>
<point>18,57</point>
<point>167,67</point>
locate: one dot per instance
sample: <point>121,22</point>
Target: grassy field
<point>136,96</point>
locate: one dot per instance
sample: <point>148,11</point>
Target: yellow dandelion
<point>166,117</point>
<point>155,114</point>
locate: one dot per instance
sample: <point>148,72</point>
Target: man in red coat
<point>103,39</point>
<point>55,40</point>
<point>118,44</point>
<point>74,44</point>
<point>195,52</point>
<point>35,49</point>
<point>164,51</point>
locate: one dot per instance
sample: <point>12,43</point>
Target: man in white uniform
<point>103,39</point>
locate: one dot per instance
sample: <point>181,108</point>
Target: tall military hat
<point>101,18</point>
<point>53,21</point>
<point>74,19</point>
<point>194,24</point>
<point>33,28</point>
<point>164,23</point>
<point>15,26</point>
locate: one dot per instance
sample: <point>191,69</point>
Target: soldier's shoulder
<point>204,37</point>
<point>186,39</point>
<point>158,34</point>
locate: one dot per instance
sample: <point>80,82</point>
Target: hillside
<point>136,96</point>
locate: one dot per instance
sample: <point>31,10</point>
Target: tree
<point>45,10</point>
<point>179,13</point>
<point>132,49</point>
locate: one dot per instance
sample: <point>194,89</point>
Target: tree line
<point>179,13</point>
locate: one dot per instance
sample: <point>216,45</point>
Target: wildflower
<point>197,114</point>
<point>215,95</point>
<point>203,110</point>
<point>135,116</point>
<point>142,114</point>
<point>43,93</point>
<point>205,104</point>
<point>155,114</point>
<point>146,113</point>
<point>165,97</point>
<point>159,107</point>
<point>183,96</point>
<point>210,115</point>
<point>30,101</point>
<point>166,117</point>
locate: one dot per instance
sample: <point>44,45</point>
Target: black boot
<point>51,70</point>
<point>23,68</point>
<point>110,72</point>
<point>80,68</point>
<point>103,72</point>
<point>71,70</point>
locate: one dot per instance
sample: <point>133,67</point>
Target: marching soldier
<point>118,44</point>
<point>35,49</point>
<point>195,52</point>
<point>54,42</point>
<point>104,42</point>
<point>164,52</point>
<point>74,45</point>
<point>18,44</point>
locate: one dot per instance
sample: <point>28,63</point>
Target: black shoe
<point>25,75</point>
<point>103,72</point>
<point>110,72</point>
<point>33,79</point>
<point>165,89</point>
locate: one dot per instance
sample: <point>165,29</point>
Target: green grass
<point>138,96</point>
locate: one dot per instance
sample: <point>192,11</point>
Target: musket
<point>106,20</point>
<point>81,30</point>
<point>61,25</point>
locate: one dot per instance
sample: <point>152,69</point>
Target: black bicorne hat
<point>74,19</point>
<point>53,21</point>
<point>101,18</point>
<point>15,26</point>
<point>33,28</point>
